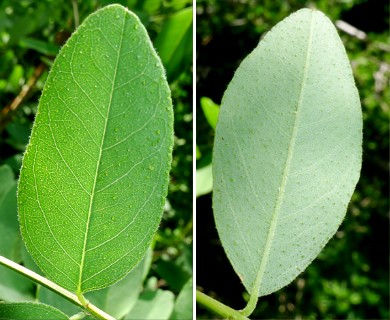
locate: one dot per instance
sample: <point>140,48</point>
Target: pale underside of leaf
<point>292,116</point>
<point>95,173</point>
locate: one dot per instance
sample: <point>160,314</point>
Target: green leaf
<point>28,311</point>
<point>18,135</point>
<point>153,305</point>
<point>7,181</point>
<point>173,273</point>
<point>183,304</point>
<point>198,153</point>
<point>51,298</point>
<point>46,48</point>
<point>13,286</point>
<point>287,152</point>
<point>174,43</point>
<point>10,240</point>
<point>210,110</point>
<point>29,262</point>
<point>15,79</point>
<point>15,162</point>
<point>204,180</point>
<point>151,6</point>
<point>95,173</point>
<point>119,299</point>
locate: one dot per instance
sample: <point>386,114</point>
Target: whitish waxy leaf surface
<point>95,173</point>
<point>292,116</point>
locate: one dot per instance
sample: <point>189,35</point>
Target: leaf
<point>29,262</point>
<point>7,181</point>
<point>151,6</point>
<point>29,310</point>
<point>95,173</point>
<point>51,298</point>
<point>13,286</point>
<point>174,43</point>
<point>18,135</point>
<point>210,110</point>
<point>119,299</point>
<point>292,116</point>
<point>183,304</point>
<point>198,153</point>
<point>43,47</point>
<point>204,180</point>
<point>15,78</point>
<point>153,305</point>
<point>173,273</point>
<point>15,162</point>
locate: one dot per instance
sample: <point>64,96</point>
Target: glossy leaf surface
<point>95,173</point>
<point>287,152</point>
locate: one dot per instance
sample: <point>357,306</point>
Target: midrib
<point>279,201</point>
<point>98,162</point>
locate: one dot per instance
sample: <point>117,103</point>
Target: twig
<point>351,30</point>
<point>218,308</point>
<point>381,77</point>
<point>76,14</point>
<point>7,111</point>
<point>90,308</point>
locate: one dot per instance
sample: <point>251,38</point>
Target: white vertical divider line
<point>194,98</point>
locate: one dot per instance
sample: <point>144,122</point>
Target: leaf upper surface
<point>29,310</point>
<point>292,116</point>
<point>95,173</point>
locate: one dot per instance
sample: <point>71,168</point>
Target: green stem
<point>251,305</point>
<point>93,310</point>
<point>82,299</point>
<point>218,308</point>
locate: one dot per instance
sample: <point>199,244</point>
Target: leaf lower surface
<point>287,152</point>
<point>95,174</point>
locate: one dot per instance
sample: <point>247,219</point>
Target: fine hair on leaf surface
<point>95,173</point>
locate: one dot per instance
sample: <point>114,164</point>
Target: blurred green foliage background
<point>350,277</point>
<point>31,33</point>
